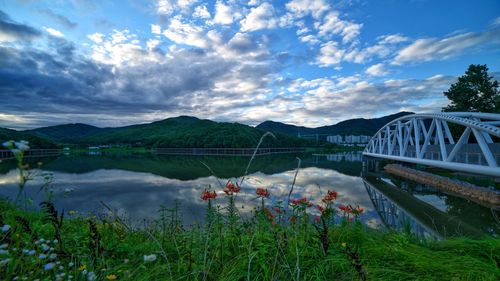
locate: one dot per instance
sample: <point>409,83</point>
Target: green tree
<point>474,91</point>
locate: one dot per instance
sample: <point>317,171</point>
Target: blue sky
<point>312,63</point>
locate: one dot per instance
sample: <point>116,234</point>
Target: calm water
<point>137,185</point>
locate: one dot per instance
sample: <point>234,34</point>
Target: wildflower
<point>32,252</point>
<point>111,277</point>
<point>53,256</point>
<point>4,262</point>
<point>207,195</point>
<point>317,219</point>
<point>91,276</point>
<point>320,209</point>
<point>45,247</point>
<point>125,260</point>
<point>72,212</point>
<point>231,188</point>
<point>82,267</point>
<point>262,192</point>
<point>55,241</point>
<point>4,252</point>
<point>343,244</point>
<point>42,256</point>
<point>331,196</point>
<point>49,266</point>
<point>277,210</point>
<point>357,211</point>
<point>4,246</point>
<point>346,209</point>
<point>149,258</point>
<point>5,228</point>
<point>268,214</point>
<point>70,264</point>
<point>22,145</point>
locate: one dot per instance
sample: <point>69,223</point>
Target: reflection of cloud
<point>140,195</point>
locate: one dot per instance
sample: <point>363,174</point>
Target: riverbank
<point>45,244</point>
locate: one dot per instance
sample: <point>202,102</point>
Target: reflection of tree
<point>186,167</point>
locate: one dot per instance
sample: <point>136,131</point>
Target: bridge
<point>432,139</point>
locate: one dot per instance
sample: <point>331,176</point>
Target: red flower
<point>332,195</point>
<point>346,209</point>
<point>262,192</point>
<point>268,214</point>
<point>207,195</point>
<point>231,188</point>
<point>317,219</point>
<point>350,219</point>
<point>277,210</point>
<point>320,209</point>
<point>357,211</point>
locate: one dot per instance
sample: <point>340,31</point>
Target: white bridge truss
<point>427,139</point>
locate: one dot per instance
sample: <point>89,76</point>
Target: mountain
<point>183,131</point>
<point>34,141</point>
<point>358,126</point>
<point>66,132</point>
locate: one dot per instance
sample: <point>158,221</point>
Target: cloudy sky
<point>312,63</point>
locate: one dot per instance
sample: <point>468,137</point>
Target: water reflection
<point>137,185</point>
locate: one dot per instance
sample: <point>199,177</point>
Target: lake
<point>136,185</point>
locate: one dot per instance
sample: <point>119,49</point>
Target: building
<point>334,139</point>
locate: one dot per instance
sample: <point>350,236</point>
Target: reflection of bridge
<point>428,140</point>
<point>400,210</point>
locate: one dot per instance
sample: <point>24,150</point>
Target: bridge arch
<point>427,139</point>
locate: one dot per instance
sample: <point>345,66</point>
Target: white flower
<point>22,145</point>
<point>55,241</point>
<point>5,261</point>
<point>4,252</point>
<point>52,256</point>
<point>149,258</point>
<point>61,268</point>
<point>45,247</point>
<point>8,144</point>
<point>32,252</point>
<point>49,266</point>
<point>71,264</point>
<point>4,246</point>
<point>91,276</point>
<point>42,256</point>
<point>5,228</point>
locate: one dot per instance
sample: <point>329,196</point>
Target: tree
<point>474,91</point>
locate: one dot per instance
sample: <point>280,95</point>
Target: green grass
<point>225,249</point>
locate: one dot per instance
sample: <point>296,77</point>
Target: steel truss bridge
<point>427,139</point>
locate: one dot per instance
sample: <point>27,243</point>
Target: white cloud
<point>184,4</point>
<point>201,12</point>
<point>155,29</point>
<point>185,33</point>
<point>429,49</point>
<point>377,70</point>
<point>260,17</point>
<point>165,7</point>
<point>301,8</point>
<point>223,13</point>
<point>54,32</point>
<point>330,54</point>
<point>96,37</point>
<point>334,25</point>
<point>311,39</point>
<point>392,39</point>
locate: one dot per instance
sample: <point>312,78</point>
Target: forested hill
<point>358,126</point>
<point>183,131</point>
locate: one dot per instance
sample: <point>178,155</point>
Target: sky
<point>303,62</point>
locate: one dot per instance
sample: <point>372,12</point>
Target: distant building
<point>351,139</point>
<point>334,139</point>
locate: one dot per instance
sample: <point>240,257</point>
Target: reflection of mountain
<point>189,167</point>
<point>399,209</point>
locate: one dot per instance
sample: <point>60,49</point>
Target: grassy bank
<point>228,248</point>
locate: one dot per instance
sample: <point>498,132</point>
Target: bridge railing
<point>420,138</point>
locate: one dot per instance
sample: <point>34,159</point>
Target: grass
<point>251,249</point>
